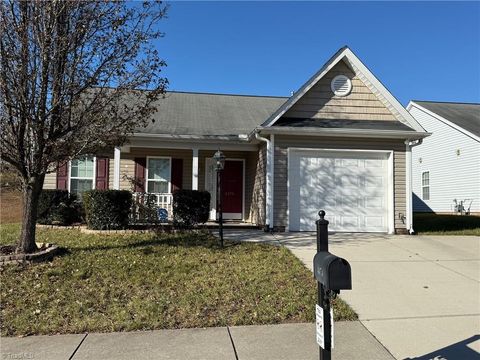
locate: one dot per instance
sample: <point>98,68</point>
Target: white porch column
<point>195,169</point>
<point>116,169</point>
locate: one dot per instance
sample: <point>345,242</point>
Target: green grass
<point>137,282</point>
<point>435,224</point>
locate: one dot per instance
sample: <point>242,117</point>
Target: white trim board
<point>170,168</point>
<point>341,132</point>
<point>116,168</point>
<point>160,143</point>
<point>367,77</point>
<point>94,183</point>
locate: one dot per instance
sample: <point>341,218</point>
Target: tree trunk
<point>31,194</point>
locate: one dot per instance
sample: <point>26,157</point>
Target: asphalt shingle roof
<point>464,115</point>
<point>184,113</point>
<point>343,123</point>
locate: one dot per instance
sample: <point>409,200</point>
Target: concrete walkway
<point>269,342</point>
<point>418,295</point>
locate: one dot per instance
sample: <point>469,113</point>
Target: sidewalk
<point>275,342</point>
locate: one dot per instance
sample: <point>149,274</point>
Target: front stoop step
<point>232,225</point>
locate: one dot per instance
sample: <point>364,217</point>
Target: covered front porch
<point>156,169</point>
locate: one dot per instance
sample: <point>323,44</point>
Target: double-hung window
<point>82,174</point>
<point>426,185</point>
<point>158,175</point>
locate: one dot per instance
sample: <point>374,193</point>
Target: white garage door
<point>350,186</point>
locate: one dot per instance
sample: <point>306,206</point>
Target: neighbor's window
<point>81,174</point>
<point>158,179</point>
<point>426,185</point>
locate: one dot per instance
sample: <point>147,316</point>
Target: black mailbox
<point>332,271</point>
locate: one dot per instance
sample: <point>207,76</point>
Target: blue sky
<point>419,50</point>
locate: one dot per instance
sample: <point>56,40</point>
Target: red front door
<point>232,188</point>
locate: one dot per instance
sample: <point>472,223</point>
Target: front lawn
<point>138,282</point>
<point>436,224</point>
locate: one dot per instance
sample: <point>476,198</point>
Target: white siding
<point>452,176</point>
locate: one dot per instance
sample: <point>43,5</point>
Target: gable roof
<point>365,75</point>
<point>464,115</point>
<point>204,114</point>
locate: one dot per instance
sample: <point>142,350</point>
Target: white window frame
<point>426,186</point>
<point>169,182</point>
<point>94,178</point>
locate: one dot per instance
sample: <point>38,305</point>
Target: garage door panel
<point>374,202</point>
<point>373,163</point>
<point>350,221</point>
<point>350,187</point>
<point>374,221</point>
<point>349,203</point>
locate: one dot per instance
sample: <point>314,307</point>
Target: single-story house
<point>446,167</point>
<point>340,143</point>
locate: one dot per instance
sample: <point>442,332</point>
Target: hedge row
<point>59,207</point>
<point>107,209</point>
<point>190,208</point>
<point>113,209</point>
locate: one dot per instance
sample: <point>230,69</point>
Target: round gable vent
<point>341,85</point>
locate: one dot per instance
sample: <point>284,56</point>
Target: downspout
<point>409,206</point>
<point>269,182</point>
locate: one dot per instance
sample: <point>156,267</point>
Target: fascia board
<point>393,134</point>
<point>174,137</point>
<point>383,91</point>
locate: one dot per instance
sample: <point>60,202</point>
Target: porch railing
<point>146,207</point>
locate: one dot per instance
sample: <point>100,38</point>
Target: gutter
<point>408,164</point>
<point>241,138</point>
<point>268,181</point>
<point>315,131</point>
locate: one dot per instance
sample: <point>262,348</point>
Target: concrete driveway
<point>418,295</point>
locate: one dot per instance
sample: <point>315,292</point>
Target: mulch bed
<point>45,251</point>
<point>7,249</point>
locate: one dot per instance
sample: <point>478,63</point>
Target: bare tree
<point>69,78</point>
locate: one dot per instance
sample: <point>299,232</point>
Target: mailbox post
<point>333,274</point>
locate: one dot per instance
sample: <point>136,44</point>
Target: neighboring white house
<point>446,166</point>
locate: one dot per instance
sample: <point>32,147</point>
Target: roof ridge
<point>224,94</point>
<point>446,102</point>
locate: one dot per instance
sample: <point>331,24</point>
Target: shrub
<point>190,207</point>
<point>58,207</point>
<point>107,209</point>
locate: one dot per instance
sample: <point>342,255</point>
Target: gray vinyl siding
<point>320,102</point>
<point>282,143</point>
<point>257,173</point>
<point>452,176</point>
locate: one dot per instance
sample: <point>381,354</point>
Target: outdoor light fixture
<point>219,159</point>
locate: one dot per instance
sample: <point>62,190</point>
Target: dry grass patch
<point>140,282</point>
<point>10,206</point>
